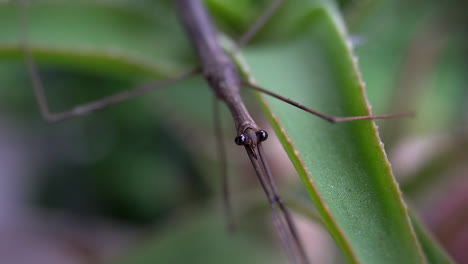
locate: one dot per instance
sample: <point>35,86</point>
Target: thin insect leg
<point>94,105</point>
<point>282,206</point>
<point>258,24</point>
<point>329,118</point>
<point>221,151</point>
<point>278,222</point>
<point>79,110</point>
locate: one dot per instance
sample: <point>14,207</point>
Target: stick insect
<point>221,74</point>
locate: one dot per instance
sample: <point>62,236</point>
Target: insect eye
<point>262,135</point>
<point>240,140</point>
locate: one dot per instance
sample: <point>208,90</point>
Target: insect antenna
<point>278,221</point>
<point>282,206</point>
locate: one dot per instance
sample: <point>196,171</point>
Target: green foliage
<point>151,159</point>
<point>343,166</point>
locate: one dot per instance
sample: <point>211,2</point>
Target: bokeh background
<point>139,182</point>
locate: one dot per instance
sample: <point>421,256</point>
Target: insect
<point>225,82</point>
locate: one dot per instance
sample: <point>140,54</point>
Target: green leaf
<point>343,166</point>
<point>98,36</point>
<point>201,238</point>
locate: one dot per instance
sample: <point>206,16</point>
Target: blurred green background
<point>139,182</point>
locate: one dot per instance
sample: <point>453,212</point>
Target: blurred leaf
<point>202,238</point>
<point>97,35</point>
<point>430,247</point>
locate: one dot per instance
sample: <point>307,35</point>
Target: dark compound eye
<point>262,135</point>
<point>240,140</point>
